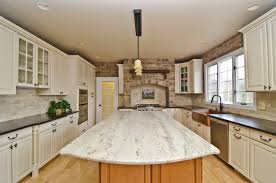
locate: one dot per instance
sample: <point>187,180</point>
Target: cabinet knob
<point>11,147</point>
<point>71,121</point>
<point>269,87</point>
<point>237,137</point>
<point>15,145</point>
<point>265,87</point>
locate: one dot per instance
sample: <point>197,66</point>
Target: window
<point>226,77</point>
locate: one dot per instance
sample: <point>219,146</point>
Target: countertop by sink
<point>17,124</point>
<point>139,138</point>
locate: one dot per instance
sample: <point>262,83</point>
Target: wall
<point>106,69</point>
<point>269,99</point>
<point>25,103</point>
<point>159,95</point>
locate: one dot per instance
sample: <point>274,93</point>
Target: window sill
<point>245,107</point>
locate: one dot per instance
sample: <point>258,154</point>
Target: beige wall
<point>25,103</point>
<point>159,95</point>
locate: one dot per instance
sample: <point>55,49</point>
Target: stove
<point>149,107</point>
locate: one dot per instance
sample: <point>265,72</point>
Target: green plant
<point>63,105</point>
<point>52,108</point>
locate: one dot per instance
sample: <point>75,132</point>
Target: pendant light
<point>138,29</point>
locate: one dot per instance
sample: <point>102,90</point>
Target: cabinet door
<point>256,53</point>
<point>184,78</point>
<point>45,147</point>
<point>58,139</point>
<point>67,132</point>
<point>66,76</point>
<point>55,74</point>
<point>26,63</point>
<point>198,128</point>
<point>22,155</point>
<point>7,61</point>
<point>91,98</point>
<point>271,24</point>
<point>206,133</point>
<point>177,78</point>
<point>262,163</point>
<point>43,66</point>
<point>239,153</point>
<point>6,164</point>
<point>178,115</point>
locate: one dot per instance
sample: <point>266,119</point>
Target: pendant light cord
<point>138,46</point>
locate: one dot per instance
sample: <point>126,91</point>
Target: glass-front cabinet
<point>184,78</point>
<point>26,64</point>
<point>33,65</point>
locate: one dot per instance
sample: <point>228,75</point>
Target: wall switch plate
<point>261,106</point>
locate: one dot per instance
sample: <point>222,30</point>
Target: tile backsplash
<point>25,103</point>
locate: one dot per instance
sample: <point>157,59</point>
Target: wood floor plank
<point>65,169</point>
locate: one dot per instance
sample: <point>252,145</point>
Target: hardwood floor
<point>64,169</point>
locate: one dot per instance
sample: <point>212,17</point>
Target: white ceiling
<point>170,28</point>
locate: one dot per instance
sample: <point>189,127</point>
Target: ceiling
<point>103,30</point>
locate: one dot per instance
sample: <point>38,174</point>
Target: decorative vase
<point>59,112</point>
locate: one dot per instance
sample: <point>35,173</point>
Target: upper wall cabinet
<point>33,65</point>
<point>188,77</point>
<point>7,61</point>
<point>260,53</point>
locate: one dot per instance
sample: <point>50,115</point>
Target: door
<point>239,153</point>
<point>58,139</point>
<point>22,155</point>
<point>6,163</point>
<point>45,147</point>
<point>271,24</point>
<point>91,97</point>
<point>262,163</point>
<point>107,96</point>
<point>7,61</point>
<point>256,62</point>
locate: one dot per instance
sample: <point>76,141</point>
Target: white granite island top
<point>139,138</point>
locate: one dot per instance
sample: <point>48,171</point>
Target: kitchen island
<point>142,147</point>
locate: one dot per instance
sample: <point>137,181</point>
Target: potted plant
<point>66,106</point>
<point>52,108</point>
<point>59,108</point>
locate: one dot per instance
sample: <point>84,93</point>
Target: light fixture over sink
<point>138,29</point>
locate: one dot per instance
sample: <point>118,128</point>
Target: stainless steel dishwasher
<point>219,137</point>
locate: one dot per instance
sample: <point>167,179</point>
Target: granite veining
<point>139,138</point>
<point>17,124</point>
<point>250,122</point>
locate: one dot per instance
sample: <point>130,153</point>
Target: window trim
<point>233,54</point>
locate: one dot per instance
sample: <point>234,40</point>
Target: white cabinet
<point>197,127</point>
<point>239,153</point>
<point>186,117</point>
<point>16,155</point>
<point>61,76</point>
<point>188,77</point>
<point>7,61</point>
<point>57,139</point>
<point>121,78</point>
<point>262,163</point>
<point>22,158</point>
<point>6,163</point>
<point>260,51</point>
<point>82,128</point>
<point>91,96</point>
<point>45,147</point>
<point>82,73</point>
<point>33,64</point>
<point>178,115</point>
<point>70,130</point>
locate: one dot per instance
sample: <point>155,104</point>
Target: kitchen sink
<point>202,115</point>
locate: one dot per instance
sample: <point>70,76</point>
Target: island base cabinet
<point>262,163</point>
<point>189,171</point>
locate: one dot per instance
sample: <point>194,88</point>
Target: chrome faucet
<point>220,101</point>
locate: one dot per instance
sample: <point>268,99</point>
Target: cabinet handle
<point>237,137</point>
<point>54,124</point>
<point>13,137</point>
<point>71,121</point>
<point>34,84</point>
<point>265,87</point>
<point>198,125</point>
<point>15,145</point>
<point>11,147</point>
<point>266,140</point>
<point>269,87</point>
<point>83,130</point>
<point>237,129</point>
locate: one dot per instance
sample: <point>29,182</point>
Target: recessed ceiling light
<point>253,7</point>
<point>203,43</point>
<point>83,43</point>
<point>97,57</point>
<point>42,5</point>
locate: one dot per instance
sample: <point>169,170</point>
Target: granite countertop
<point>139,138</point>
<point>17,124</point>
<point>250,122</point>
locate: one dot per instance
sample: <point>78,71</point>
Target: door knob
<point>100,105</point>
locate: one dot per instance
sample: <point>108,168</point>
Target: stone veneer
<point>106,69</point>
<point>269,99</point>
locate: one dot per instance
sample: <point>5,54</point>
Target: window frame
<point>235,104</point>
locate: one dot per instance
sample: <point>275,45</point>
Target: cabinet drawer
<point>263,137</point>
<point>73,116</point>
<point>239,129</point>
<point>13,136</point>
<point>51,124</point>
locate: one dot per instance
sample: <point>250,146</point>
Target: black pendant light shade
<point>138,21</point>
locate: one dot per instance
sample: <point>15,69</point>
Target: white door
<point>107,96</point>
<point>239,153</point>
<point>58,139</point>
<point>255,45</point>
<point>22,155</point>
<point>91,97</point>
<point>7,61</point>
<point>271,24</point>
<point>45,146</point>
<point>6,164</point>
<point>262,163</point>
